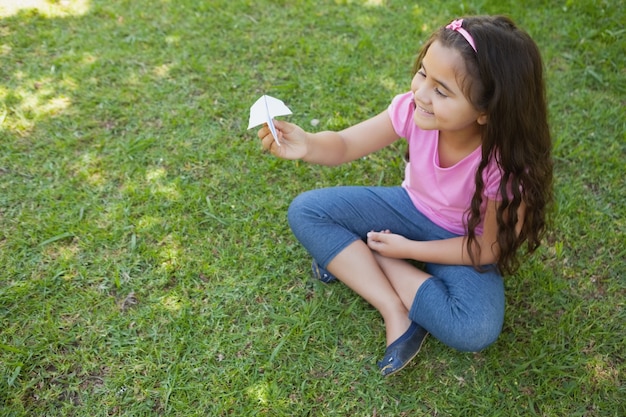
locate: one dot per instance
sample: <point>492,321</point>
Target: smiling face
<point>439,99</point>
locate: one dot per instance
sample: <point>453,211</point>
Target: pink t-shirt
<point>441,194</point>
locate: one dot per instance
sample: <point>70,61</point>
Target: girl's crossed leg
<point>332,224</point>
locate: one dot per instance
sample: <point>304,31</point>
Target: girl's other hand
<point>292,140</point>
<point>389,244</point>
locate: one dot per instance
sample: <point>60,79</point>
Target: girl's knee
<point>477,337</point>
<point>300,207</point>
<point>307,216</point>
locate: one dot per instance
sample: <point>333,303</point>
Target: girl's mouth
<point>417,107</point>
<point>423,110</point>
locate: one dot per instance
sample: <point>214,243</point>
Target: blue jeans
<point>458,305</point>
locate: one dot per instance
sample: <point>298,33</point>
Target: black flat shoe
<point>321,274</point>
<point>402,350</point>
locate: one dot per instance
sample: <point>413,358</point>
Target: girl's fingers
<point>267,142</point>
<point>263,132</point>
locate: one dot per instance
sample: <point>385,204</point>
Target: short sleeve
<point>492,178</point>
<point>401,114</point>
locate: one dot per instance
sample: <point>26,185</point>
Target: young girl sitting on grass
<point>476,188</point>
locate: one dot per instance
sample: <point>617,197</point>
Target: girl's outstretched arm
<point>330,148</point>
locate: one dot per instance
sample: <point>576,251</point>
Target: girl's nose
<point>419,94</point>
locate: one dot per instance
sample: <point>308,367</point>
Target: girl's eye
<point>438,92</point>
<point>422,73</point>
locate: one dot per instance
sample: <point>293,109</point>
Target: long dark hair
<point>504,78</point>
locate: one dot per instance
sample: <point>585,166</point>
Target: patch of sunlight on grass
<point>146,223</point>
<point>168,191</point>
<point>602,371</point>
<point>259,392</point>
<point>3,114</point>
<point>162,71</point>
<point>134,79</point>
<point>53,106</point>
<point>154,177</point>
<point>89,168</point>
<point>68,253</point>
<point>367,21</point>
<point>171,302</point>
<point>89,58</point>
<point>155,174</point>
<point>172,39</point>
<point>34,105</point>
<point>170,253</point>
<point>95,179</point>
<point>64,253</point>
<point>390,84</point>
<point>41,101</point>
<point>47,8</point>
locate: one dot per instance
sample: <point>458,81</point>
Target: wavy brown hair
<point>504,79</point>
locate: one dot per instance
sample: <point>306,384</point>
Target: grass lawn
<point>147,266</point>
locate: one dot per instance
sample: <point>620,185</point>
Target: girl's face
<point>439,99</point>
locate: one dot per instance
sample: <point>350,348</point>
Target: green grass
<point>147,267</point>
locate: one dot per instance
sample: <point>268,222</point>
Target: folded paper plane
<point>264,110</point>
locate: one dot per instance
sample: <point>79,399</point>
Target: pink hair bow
<point>457,26</point>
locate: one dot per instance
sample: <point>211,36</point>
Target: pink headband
<point>456,25</point>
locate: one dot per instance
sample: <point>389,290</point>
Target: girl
<point>476,188</point>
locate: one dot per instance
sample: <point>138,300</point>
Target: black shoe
<point>402,350</point>
<point>321,274</point>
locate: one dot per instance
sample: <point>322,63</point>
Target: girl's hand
<point>292,138</point>
<point>389,244</point>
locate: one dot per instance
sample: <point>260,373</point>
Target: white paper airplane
<point>264,109</point>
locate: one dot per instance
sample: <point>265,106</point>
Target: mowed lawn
<point>147,268</point>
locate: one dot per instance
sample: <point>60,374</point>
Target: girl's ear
<point>482,119</point>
